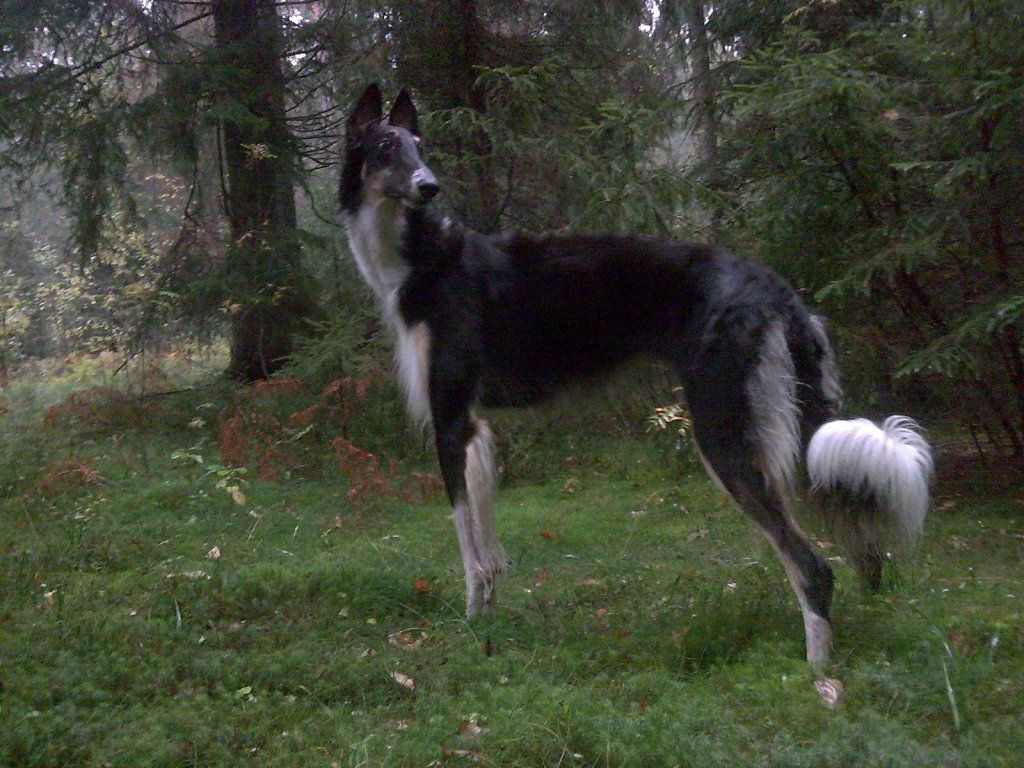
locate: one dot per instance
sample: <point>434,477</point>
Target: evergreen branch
<point>126,49</point>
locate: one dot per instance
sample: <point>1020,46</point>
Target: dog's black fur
<point>512,318</point>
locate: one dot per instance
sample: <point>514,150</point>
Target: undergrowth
<point>270,577</point>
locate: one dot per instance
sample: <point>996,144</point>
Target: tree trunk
<point>704,112</point>
<point>465,57</point>
<point>267,294</point>
<point>209,213</point>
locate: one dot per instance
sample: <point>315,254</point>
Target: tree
<point>705,108</point>
<point>264,273</point>
<point>876,152</point>
<point>102,91</point>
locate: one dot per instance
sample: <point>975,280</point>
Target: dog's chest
<point>375,237</point>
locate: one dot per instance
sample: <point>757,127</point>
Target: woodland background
<point>223,544</point>
<point>168,168</point>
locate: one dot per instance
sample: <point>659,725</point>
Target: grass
<point>644,622</point>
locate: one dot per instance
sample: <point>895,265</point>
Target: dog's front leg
<point>465,453</point>
<point>453,432</point>
<point>481,479</point>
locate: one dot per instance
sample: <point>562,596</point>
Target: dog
<point>509,319</point>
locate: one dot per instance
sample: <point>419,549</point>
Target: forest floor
<point>157,608</point>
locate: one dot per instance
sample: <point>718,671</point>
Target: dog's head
<point>382,157</point>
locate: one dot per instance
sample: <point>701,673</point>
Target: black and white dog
<point>506,320</point>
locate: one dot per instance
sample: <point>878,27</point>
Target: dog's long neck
<point>375,234</point>
<point>387,240</point>
<point>390,241</point>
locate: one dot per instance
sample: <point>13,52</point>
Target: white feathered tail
<point>870,482</point>
<point>885,470</point>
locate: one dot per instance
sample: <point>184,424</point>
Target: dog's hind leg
<point>747,437</point>
<point>736,468</point>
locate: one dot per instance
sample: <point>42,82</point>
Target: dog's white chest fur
<point>375,234</point>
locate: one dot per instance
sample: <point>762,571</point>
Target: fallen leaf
<point>422,587</point>
<point>961,643</point>
<point>406,641</point>
<point>549,535</point>
<point>830,690</point>
<point>540,576</point>
<point>403,680</point>
<point>213,554</point>
<point>468,729</point>
<point>699,534</point>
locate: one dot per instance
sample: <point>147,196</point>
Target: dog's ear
<point>403,113</point>
<point>369,109</point>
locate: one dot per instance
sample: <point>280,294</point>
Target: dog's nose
<point>427,189</point>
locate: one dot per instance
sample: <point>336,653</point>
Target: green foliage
<point>952,353</point>
<point>343,345</point>
<point>875,162</point>
<point>564,150</point>
<point>870,151</point>
<point>50,305</point>
<point>156,619</point>
<point>94,183</point>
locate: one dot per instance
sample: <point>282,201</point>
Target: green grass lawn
<point>643,624</point>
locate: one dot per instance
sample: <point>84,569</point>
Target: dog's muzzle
<point>425,184</point>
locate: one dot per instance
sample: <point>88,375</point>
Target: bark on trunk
<point>704,112</point>
<point>264,272</point>
<point>465,57</point>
